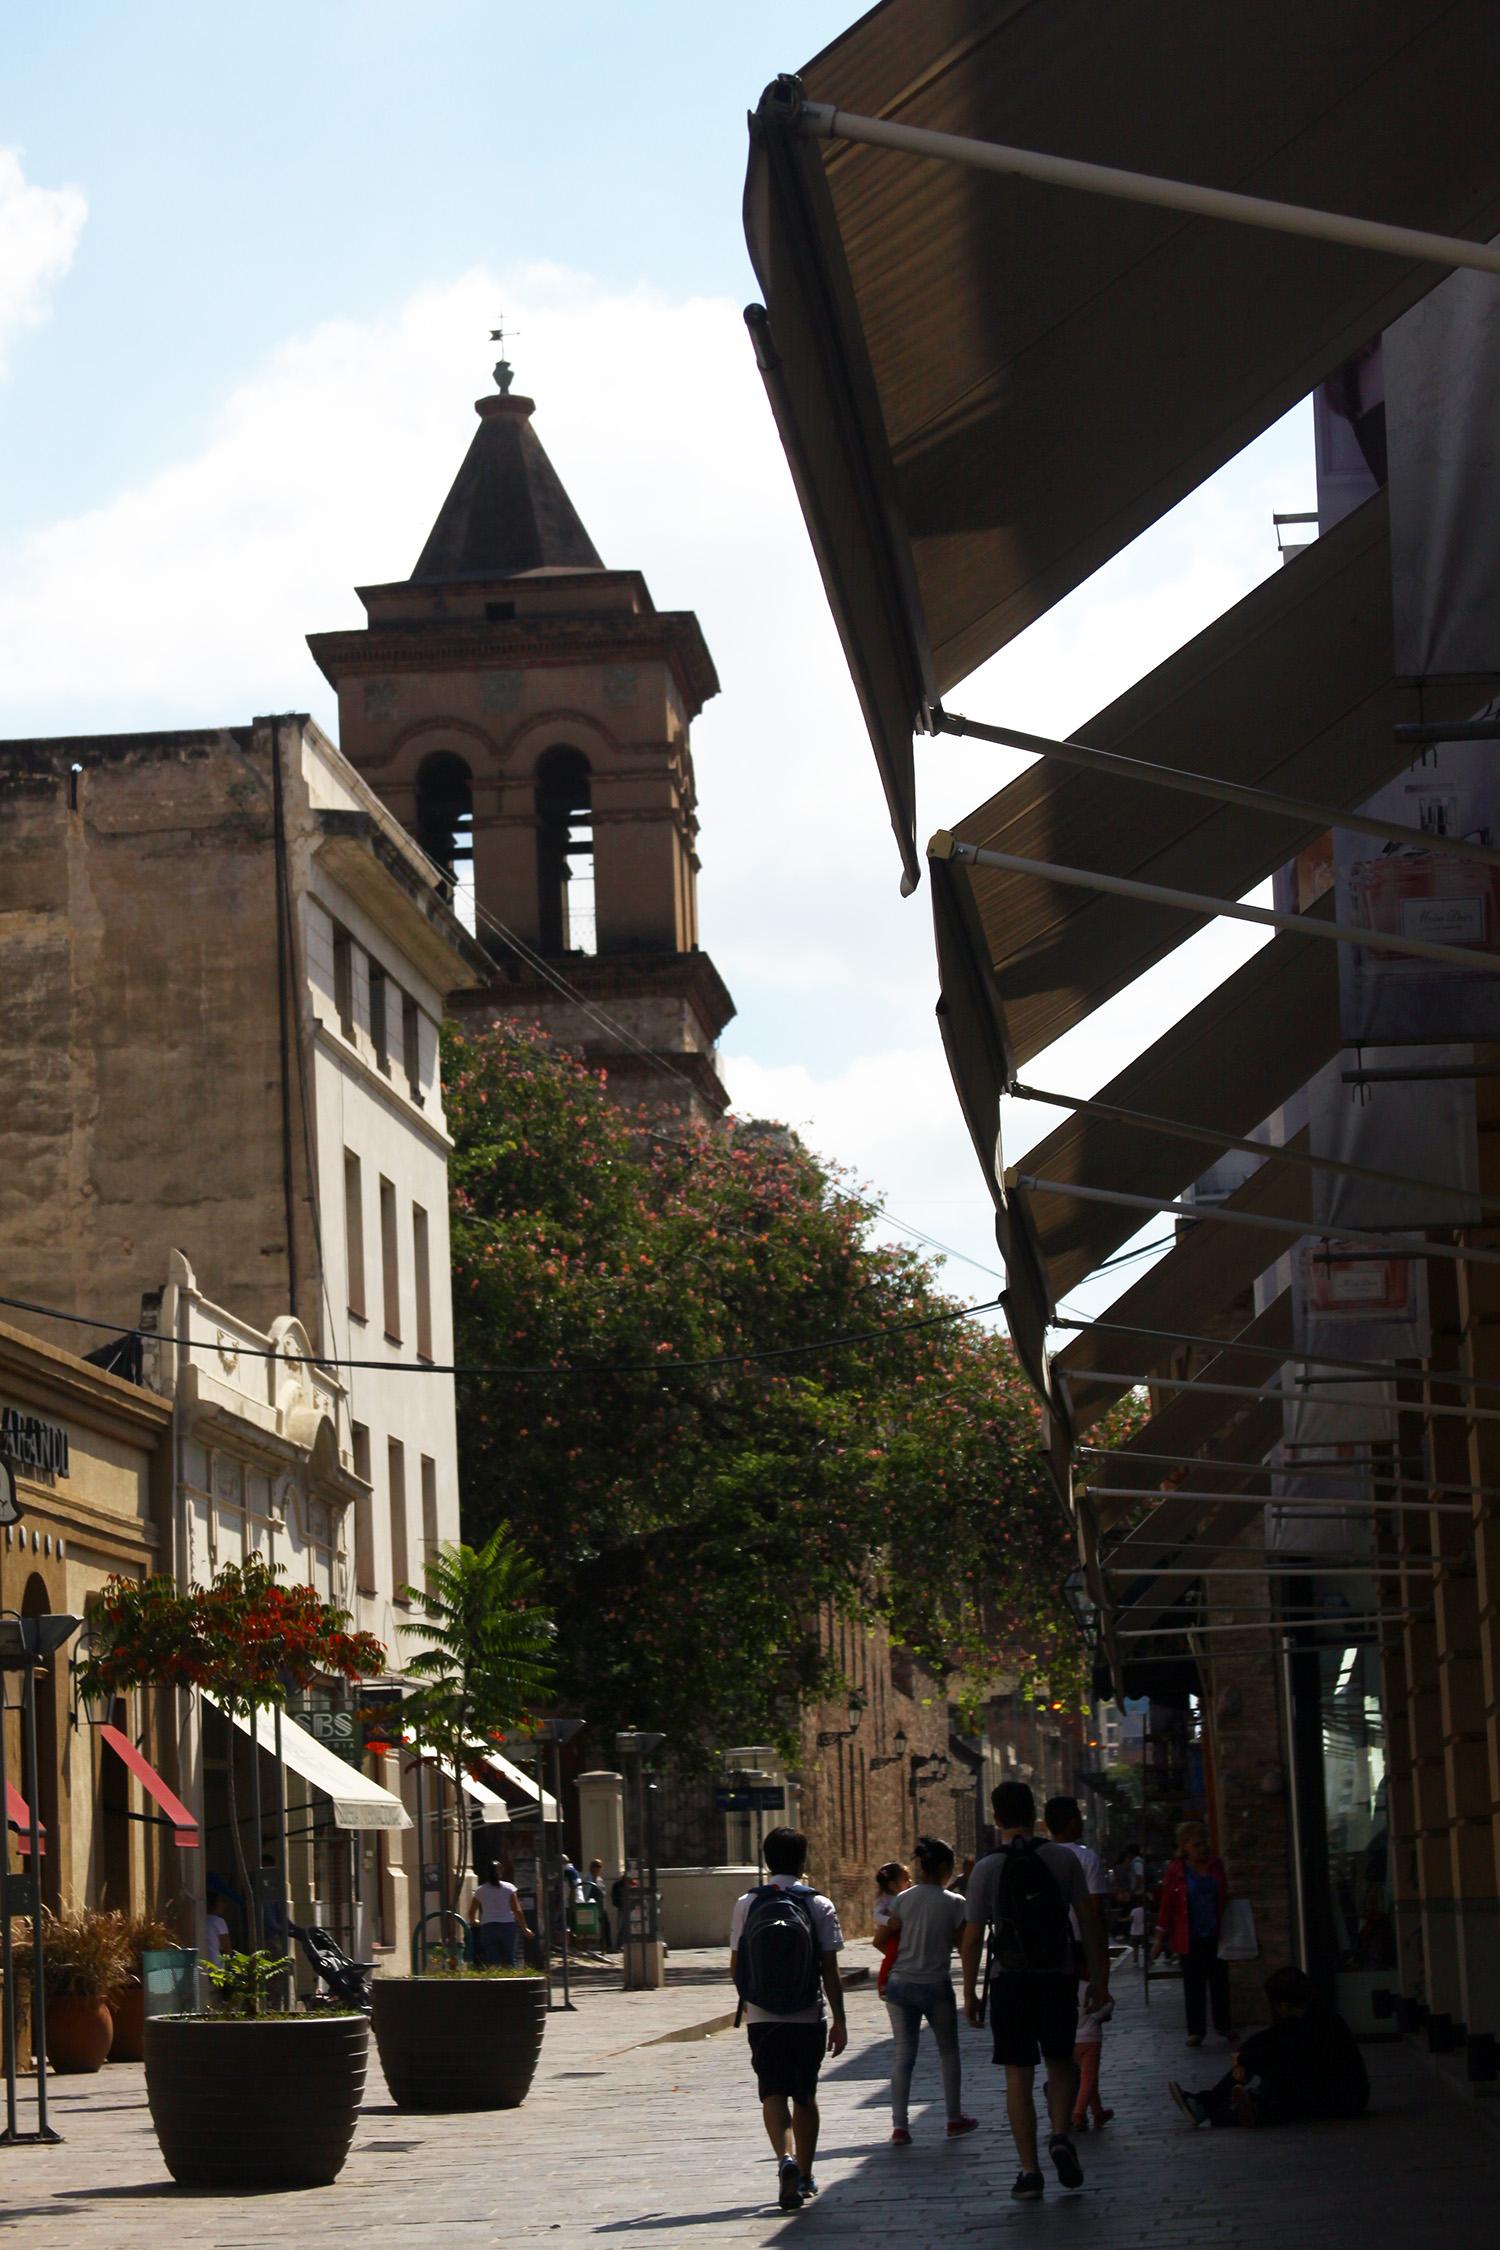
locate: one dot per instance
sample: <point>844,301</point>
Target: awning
<point>489,1801</point>
<point>18,1816</point>
<point>357,1801</point>
<point>985,386</point>
<point>519,1779</point>
<point>173,1811</point>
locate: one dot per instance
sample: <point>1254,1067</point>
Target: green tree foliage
<point>488,1658</point>
<point>692,1527</point>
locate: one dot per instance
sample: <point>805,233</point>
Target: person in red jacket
<point>1189,1917</point>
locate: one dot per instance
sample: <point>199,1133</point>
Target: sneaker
<point>809,2187</point>
<point>789,2194</point>
<point>1103,2118</point>
<point>1029,2187</point>
<point>1195,2038</point>
<point>1065,2159</point>
<point>957,2125</point>
<point>900,2138</point>
<point>1192,2109</point>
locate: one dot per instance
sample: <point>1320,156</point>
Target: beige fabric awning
<point>987,387</point>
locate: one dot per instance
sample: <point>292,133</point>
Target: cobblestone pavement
<point>632,2136</point>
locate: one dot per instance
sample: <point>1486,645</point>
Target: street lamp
<point>892,1758</point>
<point>25,1644</point>
<point>829,1735</point>
<point>640,1743</point>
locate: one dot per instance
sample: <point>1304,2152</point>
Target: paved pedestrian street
<point>632,2136</point>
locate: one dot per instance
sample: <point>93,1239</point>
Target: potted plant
<point>85,1959</point>
<point>144,1933</point>
<point>249,2097</point>
<point>460,2038</point>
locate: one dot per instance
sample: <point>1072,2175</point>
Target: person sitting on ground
<point>890,1881</point>
<point>784,1939</point>
<point>1304,2065</point>
<point>926,1918</point>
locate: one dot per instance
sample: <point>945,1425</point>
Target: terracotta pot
<point>453,2043</point>
<point>79,2031</point>
<point>255,2104</point>
<point>128,2007</point>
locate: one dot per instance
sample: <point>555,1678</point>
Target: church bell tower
<point>525,713</point>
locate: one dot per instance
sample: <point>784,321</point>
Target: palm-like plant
<point>488,1659</point>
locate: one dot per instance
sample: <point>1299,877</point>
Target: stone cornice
<point>672,637</point>
<point>621,976</point>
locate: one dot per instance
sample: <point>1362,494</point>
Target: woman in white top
<point>926,1920</point>
<point>499,1922</point>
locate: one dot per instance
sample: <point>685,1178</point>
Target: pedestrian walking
<point>890,1881</point>
<point>1189,1918</point>
<point>926,1918</point>
<point>498,1920</point>
<point>593,1891</point>
<point>1019,1897</point>
<point>784,1939</point>
<point>1088,2054</point>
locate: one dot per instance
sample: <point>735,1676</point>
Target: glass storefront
<point>1352,1730</point>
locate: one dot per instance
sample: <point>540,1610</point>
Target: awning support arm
<point>825,121</point>
<point>1118,766</point>
<point>947,846</point>
<point>1425,1411</point>
<point>1345,1471</point>
<point>1151,1123</point>
<point>1383,1239</point>
<point>1300,1509</point>
<point>1381,1370</point>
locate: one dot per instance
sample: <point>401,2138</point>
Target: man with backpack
<point>1019,1896</point>
<point>784,1939</point>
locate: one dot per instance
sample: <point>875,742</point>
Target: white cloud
<point>324,470</point>
<point>39,230</point>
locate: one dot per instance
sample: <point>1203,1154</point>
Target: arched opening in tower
<point>565,852</point>
<point>445,824</point>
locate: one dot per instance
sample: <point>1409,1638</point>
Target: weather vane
<point>505,374</point>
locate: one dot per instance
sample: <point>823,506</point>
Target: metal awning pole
<point>946,846</point>
<point>1288,1398</point>
<point>1272,1622</point>
<point>825,121</point>
<point>1300,1508</point>
<point>1386,1240</point>
<point>1346,1472</point>
<point>1117,766</point>
<point>1148,1569</point>
<point>1176,1129</point>
<point>1383,1370</point>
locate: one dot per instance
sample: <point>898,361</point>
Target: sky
<point>248,265</point>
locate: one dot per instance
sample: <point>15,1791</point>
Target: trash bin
<point>170,1977</point>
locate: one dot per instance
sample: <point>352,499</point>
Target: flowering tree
<point>691,1525</point>
<point>244,1636</point>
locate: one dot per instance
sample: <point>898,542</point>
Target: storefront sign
<point>11,1510</point>
<point>338,1731</point>
<point>33,1443</point>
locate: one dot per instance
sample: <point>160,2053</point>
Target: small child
<point>890,1881</point>
<point>1087,2053</point>
<point>1137,1931</point>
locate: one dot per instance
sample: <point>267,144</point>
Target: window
<point>422,1278</point>
<point>565,852</point>
<point>390,1261</point>
<point>445,825</point>
<point>429,1509</point>
<point>379,1032</point>
<point>411,1044</point>
<point>364,1514</point>
<point>354,1233</point>
<point>395,1456</point>
<point>343,979</point>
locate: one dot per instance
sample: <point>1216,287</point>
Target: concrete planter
<point>456,2043</point>
<point>255,2104</point>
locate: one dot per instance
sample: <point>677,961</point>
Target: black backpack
<point>1031,1929</point>
<point>778,1961</point>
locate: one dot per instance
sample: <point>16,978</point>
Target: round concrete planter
<point>452,2043</point>
<point>79,2031</point>
<point>255,2104</point>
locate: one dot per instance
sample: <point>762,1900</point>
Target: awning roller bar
<point>1176,1130</point>
<point>1264,1570</point>
<point>1299,1508</point>
<point>1382,1370</point>
<point>1274,1621</point>
<point>825,121</point>
<point>1386,1241</point>
<point>1276,1397</point>
<point>1334,1468</point>
<point>1116,765</point>
<point>946,846</point>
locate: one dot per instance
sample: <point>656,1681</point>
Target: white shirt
<point>826,1929</point>
<point>1094,1876</point>
<point>215,1931</point>
<point>496,1902</point>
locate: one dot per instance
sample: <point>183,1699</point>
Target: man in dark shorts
<point>787,2048</point>
<point>1023,1891</point>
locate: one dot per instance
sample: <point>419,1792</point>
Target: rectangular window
<point>390,1259</point>
<point>429,1509</point>
<point>364,1514</point>
<point>343,979</point>
<point>395,1453</point>
<point>379,1031</point>
<point>422,1280</point>
<point>411,1044</point>
<point>354,1233</point>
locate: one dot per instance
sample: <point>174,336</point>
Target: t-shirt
<point>1097,1879</point>
<point>496,1902</point>
<point>215,1932</point>
<point>826,1929</point>
<point>930,1920</point>
<point>1062,1864</point>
